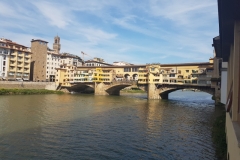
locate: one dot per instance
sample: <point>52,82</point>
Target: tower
<point>56,44</point>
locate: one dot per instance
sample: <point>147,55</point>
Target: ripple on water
<point>106,127</point>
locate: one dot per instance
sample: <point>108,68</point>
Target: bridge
<point>158,80</point>
<point>154,91</point>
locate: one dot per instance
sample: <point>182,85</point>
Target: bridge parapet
<point>132,82</point>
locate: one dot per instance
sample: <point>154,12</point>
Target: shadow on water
<point>104,127</point>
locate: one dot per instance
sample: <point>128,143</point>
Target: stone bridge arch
<point>81,87</point>
<point>112,88</point>
<point>164,90</point>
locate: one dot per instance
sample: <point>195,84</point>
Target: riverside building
<point>185,73</point>
<point>227,47</point>
<point>46,61</point>
<point>14,61</point>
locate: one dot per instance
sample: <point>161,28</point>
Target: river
<point>107,127</point>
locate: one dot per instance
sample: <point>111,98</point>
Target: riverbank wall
<point>27,85</point>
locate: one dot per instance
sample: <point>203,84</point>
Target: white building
<point>121,63</point>
<point>96,63</point>
<point>4,58</point>
<point>53,62</point>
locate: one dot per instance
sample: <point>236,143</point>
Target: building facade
<point>95,62</point>
<point>67,71</point>
<point>46,61</point>
<point>39,49</point>
<point>14,61</point>
<point>186,73</point>
<point>227,47</point>
<point>121,63</point>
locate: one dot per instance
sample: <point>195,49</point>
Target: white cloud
<point>56,14</point>
<point>6,10</point>
<point>116,30</point>
<point>180,11</point>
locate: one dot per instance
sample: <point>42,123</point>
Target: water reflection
<point>106,127</point>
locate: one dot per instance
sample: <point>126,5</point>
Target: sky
<point>134,31</point>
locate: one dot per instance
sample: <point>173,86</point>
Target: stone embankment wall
<point>27,85</point>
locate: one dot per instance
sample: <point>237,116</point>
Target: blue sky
<point>135,31</point>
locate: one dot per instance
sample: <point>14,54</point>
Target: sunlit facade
<point>14,61</point>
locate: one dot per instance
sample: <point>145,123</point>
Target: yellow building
<point>14,61</point>
<point>185,73</point>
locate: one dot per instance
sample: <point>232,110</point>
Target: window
<point>172,71</point>
<point>194,75</point>
<point>187,71</point>
<point>209,70</point>
<point>127,69</point>
<point>152,69</point>
<point>171,75</point>
<point>194,81</point>
<point>194,71</point>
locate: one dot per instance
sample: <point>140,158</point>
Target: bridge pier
<point>153,92</point>
<point>100,89</point>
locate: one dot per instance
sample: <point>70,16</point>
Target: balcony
<point>12,69</point>
<point>19,69</point>
<point>26,70</point>
<point>27,60</point>
<point>12,64</point>
<point>13,53</point>
<point>18,75</point>
<point>13,58</point>
<point>11,74</point>
<point>27,66</point>
<point>27,55</point>
<point>25,75</point>
<point>20,55</point>
<point>19,59</point>
<point>19,64</point>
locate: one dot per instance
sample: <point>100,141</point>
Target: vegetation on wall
<point>27,91</point>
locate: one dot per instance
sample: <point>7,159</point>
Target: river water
<point>107,127</point>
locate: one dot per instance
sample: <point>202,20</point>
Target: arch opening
<point>127,76</point>
<point>82,88</point>
<point>135,77</point>
<point>115,90</point>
